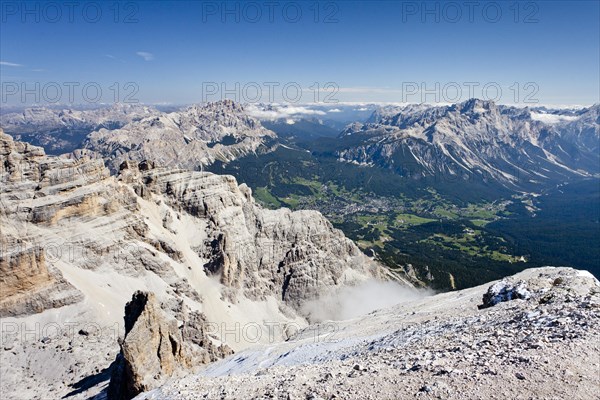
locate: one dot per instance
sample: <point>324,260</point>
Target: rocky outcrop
<point>28,285</point>
<point>547,286</point>
<point>28,282</point>
<point>258,252</point>
<point>155,347</point>
<point>504,291</point>
<point>151,348</point>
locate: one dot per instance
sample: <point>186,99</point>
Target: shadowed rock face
<point>151,349</point>
<point>154,347</point>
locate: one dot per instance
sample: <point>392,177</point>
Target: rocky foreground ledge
<point>531,336</point>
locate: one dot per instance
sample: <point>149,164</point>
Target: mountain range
<point>129,268</point>
<point>517,148</point>
<point>61,130</point>
<point>190,138</point>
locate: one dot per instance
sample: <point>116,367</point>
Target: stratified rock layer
<point>77,242</point>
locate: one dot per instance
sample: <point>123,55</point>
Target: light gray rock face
<point>188,139</point>
<point>259,252</point>
<point>77,242</point>
<point>478,140</point>
<point>253,251</point>
<point>28,283</point>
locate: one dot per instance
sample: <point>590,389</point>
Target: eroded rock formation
<point>77,242</point>
<point>155,347</point>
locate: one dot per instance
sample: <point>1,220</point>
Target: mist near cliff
<point>353,301</point>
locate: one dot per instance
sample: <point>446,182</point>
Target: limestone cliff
<point>77,242</point>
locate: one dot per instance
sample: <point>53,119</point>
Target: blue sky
<point>369,51</point>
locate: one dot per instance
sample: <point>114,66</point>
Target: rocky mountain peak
<point>477,106</point>
<point>196,136</point>
<point>514,147</point>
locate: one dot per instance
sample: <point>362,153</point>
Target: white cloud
<point>302,110</point>
<point>145,55</point>
<point>279,112</point>
<point>112,57</point>
<point>9,64</point>
<point>334,110</point>
<point>551,118</point>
